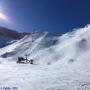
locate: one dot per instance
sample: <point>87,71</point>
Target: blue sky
<point>57,16</point>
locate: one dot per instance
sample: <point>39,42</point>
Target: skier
<point>31,61</point>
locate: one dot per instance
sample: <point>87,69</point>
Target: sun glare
<point>3,17</point>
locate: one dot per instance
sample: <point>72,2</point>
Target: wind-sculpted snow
<point>60,62</point>
<point>46,48</point>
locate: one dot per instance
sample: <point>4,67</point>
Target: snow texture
<point>60,62</point>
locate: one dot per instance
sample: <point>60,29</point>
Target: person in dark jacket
<point>31,61</point>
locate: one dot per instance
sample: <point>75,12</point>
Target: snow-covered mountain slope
<point>60,62</point>
<point>47,48</point>
<point>31,44</point>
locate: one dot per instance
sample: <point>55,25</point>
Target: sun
<point>3,17</point>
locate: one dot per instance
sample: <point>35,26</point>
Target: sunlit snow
<point>60,62</point>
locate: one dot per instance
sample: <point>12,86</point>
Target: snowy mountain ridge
<point>60,62</point>
<point>45,44</point>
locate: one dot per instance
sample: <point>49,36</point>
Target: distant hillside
<point>11,33</point>
<point>8,35</point>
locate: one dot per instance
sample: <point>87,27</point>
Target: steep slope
<point>46,48</point>
<point>30,45</point>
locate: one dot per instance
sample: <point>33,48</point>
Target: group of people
<point>24,60</point>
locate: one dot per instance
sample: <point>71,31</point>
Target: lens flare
<point>4,17</point>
